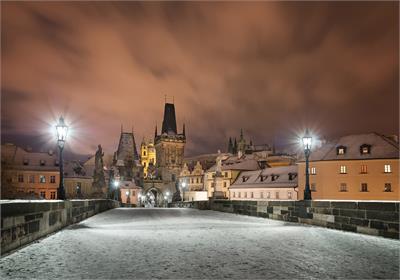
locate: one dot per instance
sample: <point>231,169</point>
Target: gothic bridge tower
<point>170,146</point>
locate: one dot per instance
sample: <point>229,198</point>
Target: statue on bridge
<point>99,181</point>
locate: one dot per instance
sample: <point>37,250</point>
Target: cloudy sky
<point>269,68</point>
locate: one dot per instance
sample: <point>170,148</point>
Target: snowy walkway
<point>188,243</point>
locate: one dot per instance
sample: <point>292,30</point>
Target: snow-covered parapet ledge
<point>23,221</point>
<point>379,218</point>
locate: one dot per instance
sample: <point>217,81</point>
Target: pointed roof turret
<point>155,132</point>
<point>169,121</point>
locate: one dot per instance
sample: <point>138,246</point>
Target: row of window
<point>266,195</point>
<point>365,149</point>
<point>363,187</point>
<point>363,170</point>
<point>42,162</point>
<point>42,194</point>
<point>31,179</point>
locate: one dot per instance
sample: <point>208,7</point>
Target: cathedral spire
<point>155,132</point>
<point>184,130</point>
<point>122,129</point>
<point>230,146</point>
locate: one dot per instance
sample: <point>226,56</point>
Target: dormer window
<point>244,178</point>
<point>56,162</point>
<point>274,177</point>
<point>292,176</point>
<point>42,162</point>
<point>365,149</point>
<point>26,161</point>
<point>263,178</point>
<point>340,150</point>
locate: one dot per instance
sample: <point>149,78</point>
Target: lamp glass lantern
<point>307,141</point>
<point>62,130</point>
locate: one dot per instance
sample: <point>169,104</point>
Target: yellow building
<point>29,175</point>
<point>191,182</point>
<point>147,156</point>
<point>356,167</point>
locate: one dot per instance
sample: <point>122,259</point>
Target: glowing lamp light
<point>167,193</point>
<point>307,141</point>
<point>127,193</point>
<point>62,130</point>
<point>116,184</point>
<point>183,184</point>
<point>165,197</point>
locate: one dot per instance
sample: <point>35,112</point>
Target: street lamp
<point>307,141</point>
<point>183,190</point>
<point>116,185</point>
<point>62,130</point>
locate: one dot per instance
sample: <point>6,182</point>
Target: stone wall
<point>24,222</point>
<point>202,205</point>
<point>373,218</point>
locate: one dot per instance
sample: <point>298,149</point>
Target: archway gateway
<point>153,198</point>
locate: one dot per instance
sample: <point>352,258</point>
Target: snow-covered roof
<point>246,162</point>
<point>274,177</point>
<point>12,155</point>
<point>381,147</point>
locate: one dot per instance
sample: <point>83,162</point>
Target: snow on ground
<point>187,243</point>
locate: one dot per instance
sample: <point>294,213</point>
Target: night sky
<point>269,68</point>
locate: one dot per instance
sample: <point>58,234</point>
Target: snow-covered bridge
<point>189,243</point>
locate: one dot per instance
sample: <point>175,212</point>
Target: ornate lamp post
<point>183,190</point>
<point>307,141</point>
<point>62,130</point>
<point>116,185</point>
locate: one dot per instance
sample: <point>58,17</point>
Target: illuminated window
<point>363,169</point>
<point>233,194</point>
<point>388,187</point>
<point>343,187</point>
<point>289,195</point>
<point>245,194</point>
<point>239,194</point>
<point>268,195</point>
<point>364,187</point>
<point>343,169</point>
<point>313,171</point>
<point>277,195</point>
<point>20,178</point>
<point>388,168</point>
<point>261,195</point>
<point>365,149</point>
<point>53,179</point>
<point>341,150</point>
<point>42,179</point>
<point>313,187</point>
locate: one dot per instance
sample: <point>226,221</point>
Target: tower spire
<point>184,130</point>
<point>122,129</point>
<point>155,132</point>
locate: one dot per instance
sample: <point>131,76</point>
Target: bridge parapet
<point>379,218</point>
<point>25,221</point>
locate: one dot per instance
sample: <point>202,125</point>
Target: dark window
<point>52,195</point>
<point>42,162</point>
<point>31,178</point>
<point>343,187</point>
<point>388,187</point>
<point>173,177</point>
<point>364,187</point>
<point>224,184</point>
<point>245,178</point>
<point>26,161</point>
<point>20,178</point>
<point>292,176</point>
<point>43,194</point>
<point>313,187</point>
<point>364,169</point>
<point>53,179</point>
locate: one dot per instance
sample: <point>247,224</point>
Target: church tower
<point>170,146</point>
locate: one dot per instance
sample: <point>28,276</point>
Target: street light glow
<point>307,141</point>
<point>62,130</point>
<point>116,184</point>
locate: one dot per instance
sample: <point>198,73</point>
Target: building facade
<point>275,183</point>
<point>28,175</point>
<point>191,182</point>
<point>355,167</point>
<point>147,157</point>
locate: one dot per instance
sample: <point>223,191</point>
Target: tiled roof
<point>381,147</point>
<point>275,177</point>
